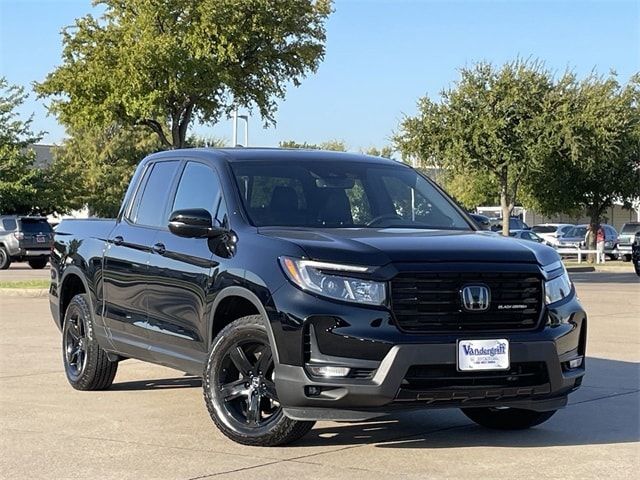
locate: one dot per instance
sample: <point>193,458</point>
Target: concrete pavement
<point>153,423</point>
<point>22,271</point>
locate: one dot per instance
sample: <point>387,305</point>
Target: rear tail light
<point>19,235</point>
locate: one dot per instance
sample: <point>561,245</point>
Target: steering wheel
<point>386,216</point>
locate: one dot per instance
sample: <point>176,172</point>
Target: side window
<point>199,188</point>
<point>151,206</point>
<point>9,224</point>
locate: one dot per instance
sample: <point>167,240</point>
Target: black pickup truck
<point>307,285</point>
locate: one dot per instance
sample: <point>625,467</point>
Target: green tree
<point>333,145</point>
<point>95,164</point>
<point>594,144</point>
<point>491,121</point>
<point>160,64</point>
<point>472,190</point>
<point>385,152</point>
<point>19,178</point>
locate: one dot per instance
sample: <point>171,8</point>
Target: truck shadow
<point>605,410</point>
<point>606,277</point>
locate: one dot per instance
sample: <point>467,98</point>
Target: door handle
<point>159,248</point>
<point>117,240</point>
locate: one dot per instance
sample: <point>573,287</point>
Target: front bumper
<point>624,249</point>
<point>560,340</point>
<point>356,400</point>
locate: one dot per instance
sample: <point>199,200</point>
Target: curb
<point>580,269</point>
<point>24,292</point>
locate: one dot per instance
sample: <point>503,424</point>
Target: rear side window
<point>198,188</point>
<point>9,224</point>
<point>630,228</point>
<point>544,229</point>
<point>35,226</point>
<point>150,209</point>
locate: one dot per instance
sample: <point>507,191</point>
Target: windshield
<point>577,232</point>
<point>342,195</point>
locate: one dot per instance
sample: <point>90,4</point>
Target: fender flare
<point>248,295</point>
<point>74,270</point>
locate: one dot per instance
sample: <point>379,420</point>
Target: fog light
<point>575,363</point>
<point>328,371</point>
<point>313,391</point>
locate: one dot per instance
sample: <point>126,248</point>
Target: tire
<point>85,362</point>
<point>612,256</point>
<point>5,259</point>
<point>508,418</point>
<point>39,263</point>
<point>242,402</point>
<point>626,258</point>
<point>636,266</point>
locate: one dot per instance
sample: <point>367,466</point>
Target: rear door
<point>126,261</point>
<point>181,271</point>
<point>35,234</point>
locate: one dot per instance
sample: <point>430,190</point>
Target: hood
<point>376,247</point>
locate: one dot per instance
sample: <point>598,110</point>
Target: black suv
<point>25,239</point>
<point>307,285</point>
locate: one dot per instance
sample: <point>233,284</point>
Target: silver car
<point>576,237</point>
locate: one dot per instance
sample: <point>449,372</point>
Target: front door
<point>180,274</point>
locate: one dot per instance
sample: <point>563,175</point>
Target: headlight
<point>324,279</point>
<point>559,287</point>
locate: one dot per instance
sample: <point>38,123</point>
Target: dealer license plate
<point>476,355</point>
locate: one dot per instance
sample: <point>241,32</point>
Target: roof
<point>271,154</point>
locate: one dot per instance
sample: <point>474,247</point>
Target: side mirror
<point>194,223</point>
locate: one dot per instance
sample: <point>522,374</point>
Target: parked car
<point>635,253</point>
<point>626,238</point>
<point>24,239</point>
<point>576,237</point>
<point>483,221</point>
<point>515,223</point>
<point>526,235</point>
<point>552,232</point>
<point>311,285</point>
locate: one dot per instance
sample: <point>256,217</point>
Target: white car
<point>526,235</point>
<point>552,232</point>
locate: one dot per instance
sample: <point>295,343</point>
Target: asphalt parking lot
<point>153,422</point>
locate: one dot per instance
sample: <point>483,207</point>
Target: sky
<point>381,57</point>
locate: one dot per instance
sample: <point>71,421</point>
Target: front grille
<point>445,384</point>
<point>431,301</point>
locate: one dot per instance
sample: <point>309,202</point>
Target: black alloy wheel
<point>86,364</point>
<point>245,383</point>
<point>239,387</point>
<point>75,345</point>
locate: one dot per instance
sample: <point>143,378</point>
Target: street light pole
<point>235,117</point>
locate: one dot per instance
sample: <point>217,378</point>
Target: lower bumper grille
<point>444,383</point>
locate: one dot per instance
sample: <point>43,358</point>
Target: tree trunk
<point>505,207</point>
<point>592,236</point>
